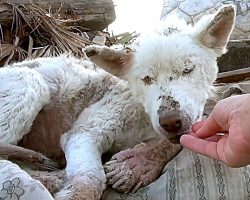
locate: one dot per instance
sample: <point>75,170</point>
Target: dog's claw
<point>138,185</point>
<point>110,162</point>
<point>112,173</point>
<point>119,182</point>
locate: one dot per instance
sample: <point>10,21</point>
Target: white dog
<point>158,88</point>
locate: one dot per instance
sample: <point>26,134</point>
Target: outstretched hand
<point>225,134</point>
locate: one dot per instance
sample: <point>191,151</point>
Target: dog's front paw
<point>133,168</point>
<point>119,175</point>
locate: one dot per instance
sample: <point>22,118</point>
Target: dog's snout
<point>171,121</point>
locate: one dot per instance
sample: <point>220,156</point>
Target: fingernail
<point>183,138</point>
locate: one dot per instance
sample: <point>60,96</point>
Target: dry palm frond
<point>61,37</point>
<point>34,33</point>
<point>124,38</point>
<point>8,51</point>
<point>30,31</point>
<point>5,50</point>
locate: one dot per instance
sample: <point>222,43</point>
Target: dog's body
<point>162,87</point>
<point>75,90</point>
<point>73,99</point>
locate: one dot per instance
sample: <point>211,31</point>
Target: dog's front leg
<point>85,177</point>
<point>133,168</point>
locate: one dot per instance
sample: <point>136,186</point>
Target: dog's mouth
<point>175,137</point>
<point>175,140</point>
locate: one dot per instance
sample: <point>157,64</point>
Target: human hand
<point>230,116</point>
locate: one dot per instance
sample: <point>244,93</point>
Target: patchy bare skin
<point>48,128</point>
<point>56,119</point>
<point>48,124</point>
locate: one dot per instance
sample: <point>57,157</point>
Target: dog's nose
<point>171,121</point>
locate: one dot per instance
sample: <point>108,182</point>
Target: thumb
<point>208,127</point>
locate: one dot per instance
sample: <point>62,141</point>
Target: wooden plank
<point>237,56</point>
<point>234,76</point>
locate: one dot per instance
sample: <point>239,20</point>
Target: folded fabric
<point>16,184</point>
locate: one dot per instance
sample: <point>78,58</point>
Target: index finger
<point>211,149</point>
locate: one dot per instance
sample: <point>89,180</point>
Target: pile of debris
<point>37,29</point>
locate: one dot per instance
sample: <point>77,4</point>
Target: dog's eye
<point>188,70</point>
<point>147,80</point>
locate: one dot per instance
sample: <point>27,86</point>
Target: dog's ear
<point>115,61</point>
<point>213,31</point>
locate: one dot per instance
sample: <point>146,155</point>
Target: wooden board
<point>234,76</point>
<point>237,56</point>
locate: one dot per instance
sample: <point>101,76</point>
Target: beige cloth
<point>16,184</point>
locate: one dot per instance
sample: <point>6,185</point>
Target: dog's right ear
<point>115,61</point>
<point>213,31</point>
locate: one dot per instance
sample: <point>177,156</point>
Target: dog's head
<point>171,71</point>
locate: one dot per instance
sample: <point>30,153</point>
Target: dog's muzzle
<point>174,124</point>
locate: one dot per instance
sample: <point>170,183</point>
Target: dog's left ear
<point>115,61</point>
<point>213,31</point>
